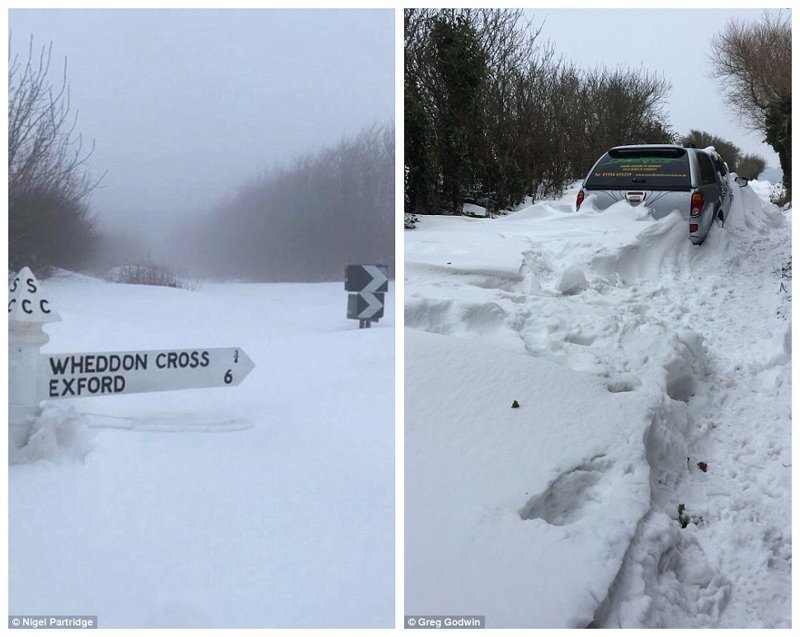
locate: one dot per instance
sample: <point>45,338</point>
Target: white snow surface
<point>270,504</point>
<point>650,374</point>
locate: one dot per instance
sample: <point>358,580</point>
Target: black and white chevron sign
<point>365,306</point>
<point>366,278</point>
<point>369,282</point>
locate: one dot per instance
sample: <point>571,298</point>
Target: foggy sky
<point>185,106</point>
<point>672,42</point>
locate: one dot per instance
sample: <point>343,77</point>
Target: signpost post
<point>370,282</point>
<point>34,377</point>
<point>28,311</point>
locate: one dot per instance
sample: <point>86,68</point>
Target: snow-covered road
<point>266,505</point>
<point>662,500</point>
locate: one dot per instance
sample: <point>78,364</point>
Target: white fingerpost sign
<point>34,377</point>
<point>107,373</point>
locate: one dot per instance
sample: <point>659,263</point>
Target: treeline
<point>307,221</point>
<point>493,116</point>
<point>744,164</point>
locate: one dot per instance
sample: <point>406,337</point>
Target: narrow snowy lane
<point>731,564</point>
<point>696,338</point>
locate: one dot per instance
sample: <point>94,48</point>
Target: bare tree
<point>48,174</point>
<point>754,63</point>
<point>43,147</point>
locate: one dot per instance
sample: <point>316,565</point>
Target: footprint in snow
<point>563,501</point>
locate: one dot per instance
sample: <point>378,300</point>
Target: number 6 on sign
<point>228,377</point>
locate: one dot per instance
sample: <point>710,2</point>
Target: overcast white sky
<point>672,42</point>
<point>187,105</point>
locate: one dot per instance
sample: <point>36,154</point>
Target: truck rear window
<point>657,169</point>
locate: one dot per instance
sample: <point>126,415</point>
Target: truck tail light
<point>579,200</point>
<point>698,202</point>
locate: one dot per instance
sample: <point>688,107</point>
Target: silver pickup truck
<point>664,178</point>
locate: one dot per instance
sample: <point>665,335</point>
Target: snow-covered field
<point>644,479</point>
<point>270,504</point>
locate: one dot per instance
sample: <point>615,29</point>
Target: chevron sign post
<point>370,283</point>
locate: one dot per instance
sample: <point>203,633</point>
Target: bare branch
<point>753,61</point>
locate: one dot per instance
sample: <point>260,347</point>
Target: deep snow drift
<point>644,480</point>
<point>270,504</point>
